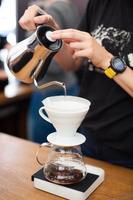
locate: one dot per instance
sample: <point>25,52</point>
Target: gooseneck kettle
<point>29,60</point>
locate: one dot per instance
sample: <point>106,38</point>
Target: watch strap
<point>109,72</point>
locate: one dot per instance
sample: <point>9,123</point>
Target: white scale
<point>78,191</point>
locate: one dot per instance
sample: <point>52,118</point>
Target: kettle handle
<point>45,144</point>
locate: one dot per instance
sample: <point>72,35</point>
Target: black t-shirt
<point>110,118</point>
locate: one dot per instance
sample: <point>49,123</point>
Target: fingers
<point>30,19</point>
<point>27,20</point>
<point>66,34</point>
<point>78,45</point>
<point>80,53</point>
<point>70,34</point>
<point>81,42</point>
<point>82,49</point>
<point>43,19</point>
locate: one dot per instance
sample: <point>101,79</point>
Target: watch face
<point>118,64</point>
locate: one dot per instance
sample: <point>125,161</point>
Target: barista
<point>108,81</point>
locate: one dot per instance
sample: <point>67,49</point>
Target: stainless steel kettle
<point>29,59</point>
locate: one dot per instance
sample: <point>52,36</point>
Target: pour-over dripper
<point>66,114</point>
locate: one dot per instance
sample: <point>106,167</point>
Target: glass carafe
<point>64,165</point>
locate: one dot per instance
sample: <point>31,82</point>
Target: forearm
<point>125,80</point>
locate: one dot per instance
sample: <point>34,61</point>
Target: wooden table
<point>17,164</point>
<point>15,93</point>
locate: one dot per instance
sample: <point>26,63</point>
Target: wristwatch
<point>117,66</point>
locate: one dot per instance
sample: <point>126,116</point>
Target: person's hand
<point>30,20</point>
<point>84,45</point>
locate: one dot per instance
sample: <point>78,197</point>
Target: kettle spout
<point>52,83</point>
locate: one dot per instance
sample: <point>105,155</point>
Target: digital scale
<point>78,191</point>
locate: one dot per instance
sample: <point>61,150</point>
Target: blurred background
<point>16,98</point>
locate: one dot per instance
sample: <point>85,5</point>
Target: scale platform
<point>78,191</point>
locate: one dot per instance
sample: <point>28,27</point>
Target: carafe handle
<point>45,144</point>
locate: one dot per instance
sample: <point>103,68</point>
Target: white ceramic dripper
<point>66,114</point>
